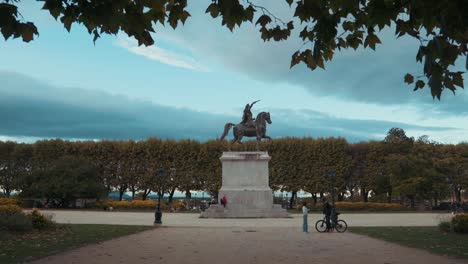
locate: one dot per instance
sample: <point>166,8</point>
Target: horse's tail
<point>227,127</point>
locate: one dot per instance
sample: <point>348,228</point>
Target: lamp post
<point>160,175</point>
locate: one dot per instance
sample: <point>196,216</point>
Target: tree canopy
<point>397,167</point>
<point>441,27</point>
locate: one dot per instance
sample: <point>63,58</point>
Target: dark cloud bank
<point>31,108</point>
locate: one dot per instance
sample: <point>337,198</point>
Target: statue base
<point>245,185</point>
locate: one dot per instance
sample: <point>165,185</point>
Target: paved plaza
<point>192,220</point>
<point>186,245</point>
<point>184,239</point>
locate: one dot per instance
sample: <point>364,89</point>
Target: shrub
<point>357,206</point>
<point>178,205</point>
<point>460,223</point>
<point>445,226</point>
<point>39,220</point>
<point>10,209</point>
<point>13,219</point>
<point>141,205</point>
<point>8,201</point>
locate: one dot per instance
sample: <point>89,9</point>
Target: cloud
<point>362,76</point>
<point>31,109</point>
<point>159,54</point>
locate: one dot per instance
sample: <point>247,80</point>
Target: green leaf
<point>27,35</point>
<point>263,20</point>
<point>295,59</point>
<point>67,22</point>
<point>419,85</point>
<point>449,83</point>
<point>249,13</point>
<point>409,79</point>
<point>420,54</point>
<point>458,79</point>
<point>213,10</point>
<point>466,66</point>
<point>435,83</point>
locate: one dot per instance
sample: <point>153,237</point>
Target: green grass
<point>19,247</point>
<point>428,238</point>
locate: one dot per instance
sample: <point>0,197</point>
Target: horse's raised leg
<point>240,138</point>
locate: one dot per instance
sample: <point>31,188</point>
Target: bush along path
<point>29,236</point>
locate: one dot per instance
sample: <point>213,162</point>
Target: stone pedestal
<point>245,185</point>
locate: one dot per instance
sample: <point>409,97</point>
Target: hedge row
<point>359,206</point>
<point>139,205</point>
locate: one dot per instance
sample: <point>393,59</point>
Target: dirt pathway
<point>245,245</point>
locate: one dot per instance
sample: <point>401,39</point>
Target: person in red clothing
<point>224,200</point>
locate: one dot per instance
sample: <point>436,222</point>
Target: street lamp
<point>160,175</point>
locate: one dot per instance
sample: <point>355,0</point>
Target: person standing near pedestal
<point>305,211</point>
<point>224,201</point>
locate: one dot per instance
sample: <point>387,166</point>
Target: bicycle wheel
<point>341,226</point>
<point>321,226</point>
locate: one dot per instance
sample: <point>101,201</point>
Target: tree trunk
<point>411,197</point>
<point>7,192</point>
<point>389,197</point>
<point>133,194</point>
<point>314,196</point>
<point>364,195</point>
<point>340,197</point>
<point>291,201</point>
<point>146,192</point>
<point>351,193</point>
<point>458,194</point>
<point>122,190</point>
<point>171,195</point>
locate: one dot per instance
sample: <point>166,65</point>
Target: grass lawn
<point>428,238</point>
<point>18,247</point>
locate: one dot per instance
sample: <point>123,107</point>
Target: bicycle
<point>339,225</point>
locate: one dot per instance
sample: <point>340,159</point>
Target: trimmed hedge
<point>359,206</point>
<point>141,205</point>
<point>10,209</point>
<point>8,201</point>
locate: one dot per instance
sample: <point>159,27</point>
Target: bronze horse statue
<point>242,130</point>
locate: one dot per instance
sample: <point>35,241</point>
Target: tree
<point>7,172</point>
<point>453,165</point>
<point>67,179</point>
<point>441,27</point>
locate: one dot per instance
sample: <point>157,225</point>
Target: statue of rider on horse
<point>249,127</point>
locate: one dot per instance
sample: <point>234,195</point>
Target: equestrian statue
<point>249,127</point>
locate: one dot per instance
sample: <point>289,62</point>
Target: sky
<point>200,76</point>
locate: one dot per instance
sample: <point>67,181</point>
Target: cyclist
<point>327,210</point>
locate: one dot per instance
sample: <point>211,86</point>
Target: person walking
<point>305,211</point>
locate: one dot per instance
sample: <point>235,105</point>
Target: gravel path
<point>192,220</point>
<point>245,245</point>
